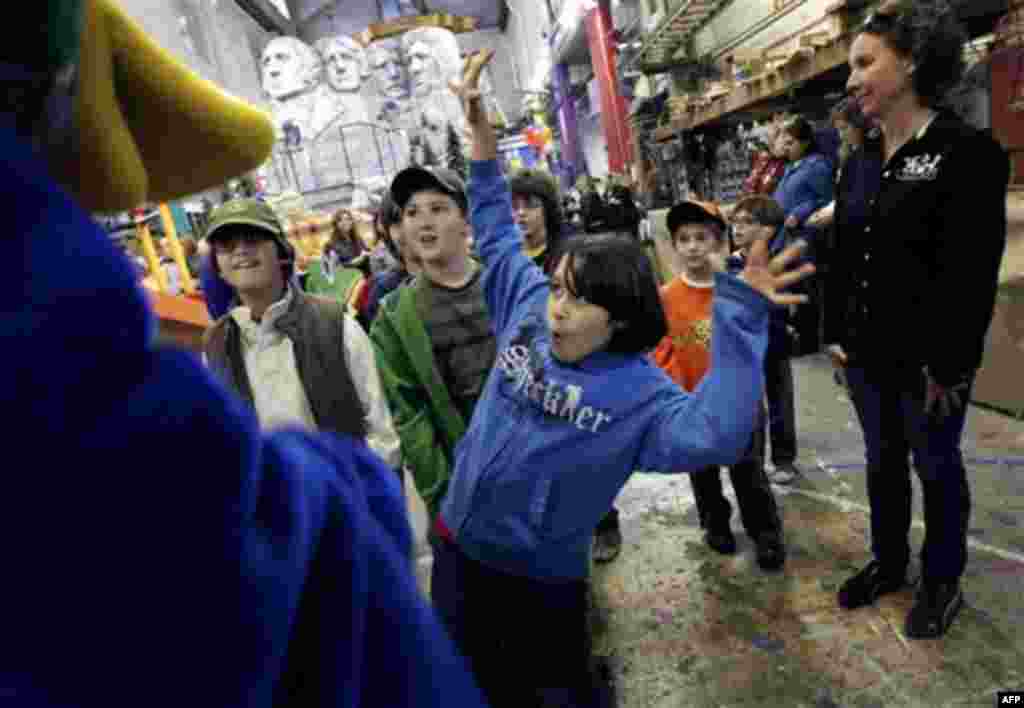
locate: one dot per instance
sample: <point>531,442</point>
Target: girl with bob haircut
<point>611,270</point>
<point>572,407</point>
<point>920,231</point>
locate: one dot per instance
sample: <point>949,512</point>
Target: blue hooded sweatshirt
<point>551,444</point>
<point>157,549</point>
<point>216,291</point>
<point>805,187</point>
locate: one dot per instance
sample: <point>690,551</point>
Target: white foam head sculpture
<point>290,68</point>
<point>433,59</point>
<point>388,69</point>
<point>345,63</point>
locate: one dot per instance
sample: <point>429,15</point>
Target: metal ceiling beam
<point>688,18</point>
<point>267,16</point>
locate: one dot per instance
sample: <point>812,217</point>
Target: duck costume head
<point>119,120</point>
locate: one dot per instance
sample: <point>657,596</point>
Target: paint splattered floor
<point>684,626</point>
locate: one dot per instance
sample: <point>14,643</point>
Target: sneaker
<point>784,474</point>
<point>720,540</point>
<point>607,543</point>
<point>869,584</point>
<point>771,553</point>
<point>935,607</point>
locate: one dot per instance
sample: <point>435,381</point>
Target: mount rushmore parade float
<point>350,112</point>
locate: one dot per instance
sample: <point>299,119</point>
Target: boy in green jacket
<point>433,337</point>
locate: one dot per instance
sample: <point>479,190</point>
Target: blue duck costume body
<point>159,550</point>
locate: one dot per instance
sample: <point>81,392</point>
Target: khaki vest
<point>316,327</point>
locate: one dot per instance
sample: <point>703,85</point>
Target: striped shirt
<point>459,327</point>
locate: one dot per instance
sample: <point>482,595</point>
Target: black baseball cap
<point>417,179</point>
<point>388,212</point>
<point>694,212</point>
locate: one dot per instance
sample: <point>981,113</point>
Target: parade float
<point>350,111</point>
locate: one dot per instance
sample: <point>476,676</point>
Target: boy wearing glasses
<point>698,233</point>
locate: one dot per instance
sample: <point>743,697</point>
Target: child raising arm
<point>571,409</point>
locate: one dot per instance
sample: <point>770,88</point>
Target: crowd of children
<point>516,375</point>
<point>521,395</point>
<point>484,393</point>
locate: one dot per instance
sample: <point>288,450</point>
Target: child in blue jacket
<point>571,409</point>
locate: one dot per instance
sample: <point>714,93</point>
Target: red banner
<point>603,52</point>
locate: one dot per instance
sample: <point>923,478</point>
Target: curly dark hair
<point>929,34</point>
<point>801,130</point>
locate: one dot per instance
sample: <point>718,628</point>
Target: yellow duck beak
<point>149,128</point>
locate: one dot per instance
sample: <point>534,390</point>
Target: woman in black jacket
<point>921,228</point>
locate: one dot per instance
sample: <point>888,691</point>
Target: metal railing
<point>350,156</point>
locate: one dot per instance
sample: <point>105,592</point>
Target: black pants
<point>527,642</point>
<point>758,510</point>
<point>778,388</point>
<point>892,417</point>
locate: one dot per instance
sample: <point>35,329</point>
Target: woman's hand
<point>770,276</point>
<point>823,217</point>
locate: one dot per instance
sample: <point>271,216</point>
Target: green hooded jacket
<point>425,416</point>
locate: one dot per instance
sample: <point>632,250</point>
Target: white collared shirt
<point>278,394</point>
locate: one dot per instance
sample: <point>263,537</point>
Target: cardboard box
<point>182,320</point>
<point>1000,380</point>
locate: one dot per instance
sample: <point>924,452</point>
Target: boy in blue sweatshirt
<point>572,407</point>
<point>261,571</point>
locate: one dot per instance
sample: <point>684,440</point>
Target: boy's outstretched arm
<point>511,279</point>
<point>485,141</point>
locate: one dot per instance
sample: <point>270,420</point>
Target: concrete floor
<point>684,626</point>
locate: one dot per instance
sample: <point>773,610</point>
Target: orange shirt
<point>685,353</point>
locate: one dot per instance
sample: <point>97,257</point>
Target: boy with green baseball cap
<point>296,358</point>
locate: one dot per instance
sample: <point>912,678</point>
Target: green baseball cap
<point>248,212</point>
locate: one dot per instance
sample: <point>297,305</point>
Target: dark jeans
<point>891,414</point>
<point>778,389</point>
<point>528,642</point>
<point>758,510</point>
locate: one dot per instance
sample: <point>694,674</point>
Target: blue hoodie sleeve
<point>714,424</point>
<point>815,188</point>
<point>511,280</point>
<point>216,291</point>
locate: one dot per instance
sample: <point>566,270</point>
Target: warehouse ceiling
<point>689,16</point>
<point>681,23</point>
<point>364,12</point>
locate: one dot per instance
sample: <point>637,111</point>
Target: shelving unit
<point>801,66</point>
<point>679,25</point>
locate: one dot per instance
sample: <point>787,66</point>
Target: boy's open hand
<point>770,276</point>
<point>468,89</point>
